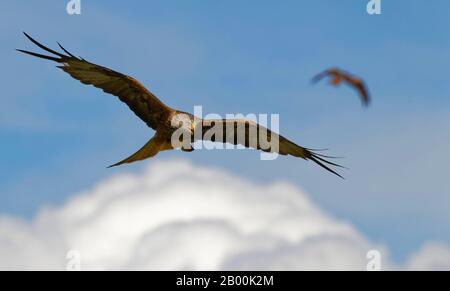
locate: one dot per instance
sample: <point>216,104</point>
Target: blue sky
<point>58,136</point>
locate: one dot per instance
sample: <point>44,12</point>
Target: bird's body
<point>338,77</point>
<point>166,121</point>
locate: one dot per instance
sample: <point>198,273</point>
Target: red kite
<point>338,76</point>
<point>165,120</point>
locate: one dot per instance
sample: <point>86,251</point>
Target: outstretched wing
<point>362,90</point>
<point>141,101</point>
<point>317,78</point>
<point>252,135</point>
<point>326,73</point>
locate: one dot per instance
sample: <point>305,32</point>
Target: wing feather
<point>363,92</point>
<point>130,91</point>
<point>285,146</point>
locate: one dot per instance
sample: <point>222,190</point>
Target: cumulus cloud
<point>177,216</point>
<point>432,256</point>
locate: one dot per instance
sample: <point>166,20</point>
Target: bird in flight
<point>338,76</point>
<point>165,120</point>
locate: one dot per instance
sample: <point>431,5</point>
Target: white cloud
<point>178,216</point>
<point>432,256</point>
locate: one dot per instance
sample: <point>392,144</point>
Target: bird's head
<point>182,121</point>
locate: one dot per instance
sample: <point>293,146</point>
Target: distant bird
<point>338,76</point>
<point>165,120</point>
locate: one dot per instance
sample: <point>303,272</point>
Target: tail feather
<point>150,149</point>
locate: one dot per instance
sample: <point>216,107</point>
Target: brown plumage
<point>338,76</point>
<point>165,120</point>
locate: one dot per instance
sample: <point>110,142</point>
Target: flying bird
<point>338,76</point>
<point>165,120</point>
